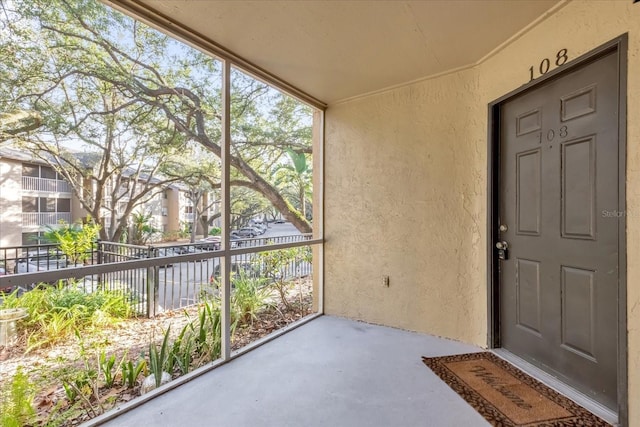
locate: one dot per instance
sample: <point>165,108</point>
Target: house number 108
<point>545,64</point>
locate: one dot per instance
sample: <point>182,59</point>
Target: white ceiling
<point>334,50</point>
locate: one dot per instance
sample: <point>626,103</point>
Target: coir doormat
<point>506,396</point>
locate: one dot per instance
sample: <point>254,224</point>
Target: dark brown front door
<point>558,207</point>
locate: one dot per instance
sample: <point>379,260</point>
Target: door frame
<point>618,45</point>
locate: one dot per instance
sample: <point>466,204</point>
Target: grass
<point>55,312</point>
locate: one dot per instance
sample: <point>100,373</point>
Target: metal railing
<point>45,184</point>
<point>35,219</point>
<point>159,278</point>
<point>32,258</point>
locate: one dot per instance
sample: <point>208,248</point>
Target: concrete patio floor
<point>328,372</point>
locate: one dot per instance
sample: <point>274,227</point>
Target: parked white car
<point>41,261</point>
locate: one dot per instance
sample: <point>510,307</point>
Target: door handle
<point>503,250</point>
<point>502,245</point>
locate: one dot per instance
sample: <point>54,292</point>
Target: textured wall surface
<point>406,186</point>
<point>10,203</point>
<point>404,198</point>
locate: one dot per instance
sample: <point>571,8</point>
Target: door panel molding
<point>574,105</point>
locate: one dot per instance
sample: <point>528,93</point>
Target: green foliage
<point>160,359</point>
<point>54,312</point>
<point>95,87</point>
<point>81,384</point>
<point>182,350</point>
<point>107,366</point>
<point>16,402</point>
<point>206,332</point>
<point>76,240</point>
<point>185,229</point>
<point>142,230</point>
<point>77,383</point>
<point>131,371</point>
<point>273,265</point>
<point>215,231</point>
<point>248,298</point>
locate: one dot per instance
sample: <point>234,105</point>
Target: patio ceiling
<point>335,50</point>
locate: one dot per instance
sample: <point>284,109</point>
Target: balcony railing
<point>36,219</point>
<point>45,185</point>
<point>161,278</point>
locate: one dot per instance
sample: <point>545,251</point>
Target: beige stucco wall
<point>403,197</point>
<point>10,203</point>
<point>406,186</point>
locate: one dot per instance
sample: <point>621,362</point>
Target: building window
<point>30,170</point>
<point>47,204</point>
<point>30,238</point>
<point>64,205</point>
<point>47,172</point>
<point>29,204</point>
<point>165,212</point>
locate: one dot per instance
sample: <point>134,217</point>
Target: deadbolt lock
<point>503,250</point>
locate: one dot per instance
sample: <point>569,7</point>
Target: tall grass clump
<point>248,298</point>
<point>54,312</point>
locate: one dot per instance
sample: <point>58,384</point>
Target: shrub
<point>131,371</point>
<point>76,240</point>
<point>55,311</point>
<point>16,402</point>
<point>248,298</point>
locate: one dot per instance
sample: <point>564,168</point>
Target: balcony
<point>36,219</point>
<point>45,185</point>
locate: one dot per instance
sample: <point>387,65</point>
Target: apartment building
<point>33,197</point>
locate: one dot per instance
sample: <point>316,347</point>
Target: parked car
<point>164,252</point>
<point>211,243</point>
<point>40,261</point>
<point>247,232</point>
<point>34,262</point>
<point>188,249</point>
<point>259,226</point>
<point>141,254</point>
<point>279,221</point>
<point>236,241</point>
